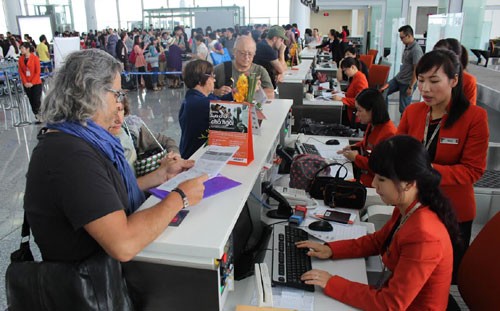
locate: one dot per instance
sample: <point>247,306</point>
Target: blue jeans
<point>404,100</point>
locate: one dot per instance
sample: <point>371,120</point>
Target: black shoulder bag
<point>95,283</point>
<point>319,182</point>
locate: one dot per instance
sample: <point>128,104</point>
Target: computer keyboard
<point>303,148</point>
<point>290,262</point>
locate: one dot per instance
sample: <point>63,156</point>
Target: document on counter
<point>211,163</point>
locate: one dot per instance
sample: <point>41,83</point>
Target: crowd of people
<point>425,167</point>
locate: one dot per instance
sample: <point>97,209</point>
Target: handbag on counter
<point>345,193</point>
<point>95,283</point>
<point>319,182</point>
<point>149,160</point>
<point>303,170</point>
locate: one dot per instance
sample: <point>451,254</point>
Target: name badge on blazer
<point>449,141</point>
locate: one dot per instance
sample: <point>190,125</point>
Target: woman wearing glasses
<point>193,117</point>
<point>80,190</point>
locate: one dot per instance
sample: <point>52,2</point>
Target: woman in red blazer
<point>469,82</point>
<point>350,66</point>
<point>415,244</point>
<point>29,71</point>
<point>372,110</point>
<point>454,133</point>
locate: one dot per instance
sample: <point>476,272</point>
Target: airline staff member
<point>371,110</point>
<point>415,244</point>
<point>469,82</point>
<point>454,133</point>
<point>350,66</point>
<point>29,71</point>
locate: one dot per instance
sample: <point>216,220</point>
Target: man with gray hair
<point>226,74</point>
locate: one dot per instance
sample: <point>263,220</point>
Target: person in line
<point>29,71</point>
<point>416,244</point>
<point>122,51</point>
<point>469,82</point>
<point>316,36</point>
<point>334,45</point>
<point>201,48</point>
<point>140,61</point>
<point>42,50</point>
<point>174,63</point>
<point>179,37</point>
<point>405,81</point>
<point>308,37</point>
<point>13,51</point>
<point>454,132</point>
<point>80,190</point>
<point>351,52</point>
<point>270,54</point>
<point>244,52</point>
<point>199,78</point>
<point>370,110</point>
<point>229,41</point>
<point>153,59</point>
<point>350,66</point>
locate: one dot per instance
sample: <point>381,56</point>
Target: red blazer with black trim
<point>358,83</point>
<point>34,68</point>
<point>470,87</point>
<point>378,133</point>
<point>460,154</point>
<point>420,257</point>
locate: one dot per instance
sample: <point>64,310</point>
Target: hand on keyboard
<point>317,250</point>
<point>316,277</point>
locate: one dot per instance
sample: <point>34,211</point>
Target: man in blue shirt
<point>270,53</point>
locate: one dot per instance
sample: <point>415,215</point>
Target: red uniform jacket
<point>376,134</point>
<point>460,154</point>
<point>421,260</point>
<point>33,67</point>
<point>470,87</point>
<point>358,83</point>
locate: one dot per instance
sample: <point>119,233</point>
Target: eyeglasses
<point>210,75</point>
<point>120,96</point>
<point>246,54</point>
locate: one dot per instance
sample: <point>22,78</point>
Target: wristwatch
<point>185,202</point>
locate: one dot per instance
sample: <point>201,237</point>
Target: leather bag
<point>345,193</point>
<point>95,283</point>
<point>320,181</point>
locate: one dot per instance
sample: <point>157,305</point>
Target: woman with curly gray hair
<point>80,191</point>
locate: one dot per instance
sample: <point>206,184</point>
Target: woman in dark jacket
<point>122,51</point>
<point>334,45</point>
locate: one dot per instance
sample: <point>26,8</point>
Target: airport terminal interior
<point>372,25</point>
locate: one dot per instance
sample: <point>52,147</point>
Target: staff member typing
<point>371,110</point>
<point>350,66</point>
<point>415,244</point>
<point>454,133</point>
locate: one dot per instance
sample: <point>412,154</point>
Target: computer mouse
<point>321,225</point>
<point>332,142</point>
